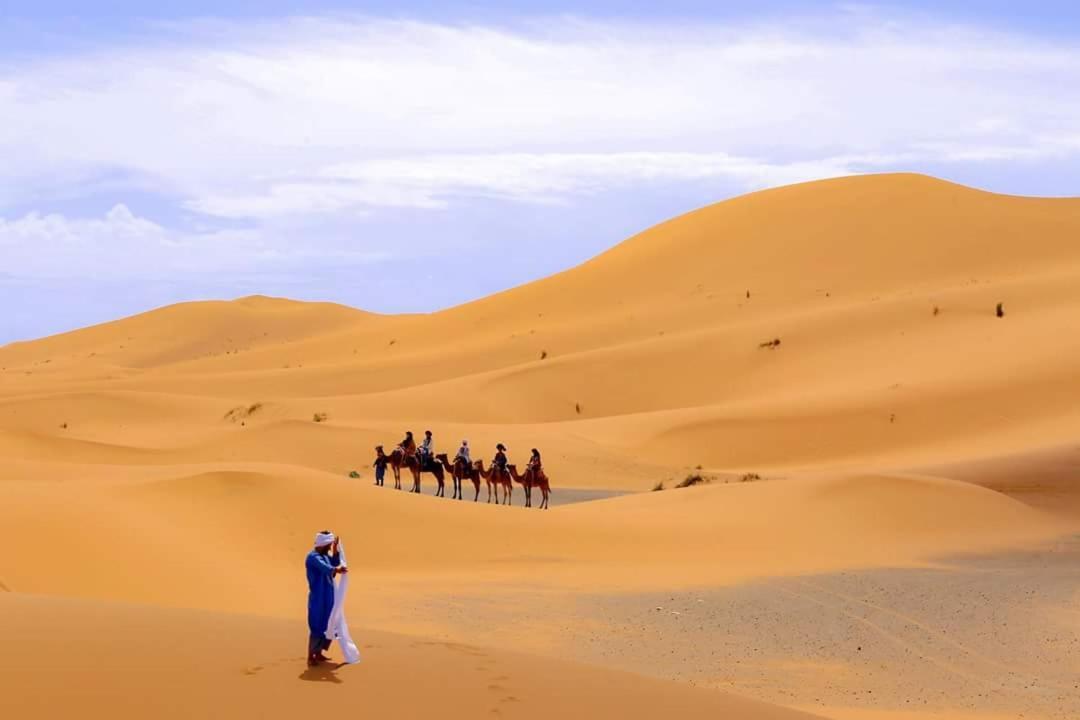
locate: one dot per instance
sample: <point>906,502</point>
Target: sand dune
<point>111,659</point>
<point>175,456</point>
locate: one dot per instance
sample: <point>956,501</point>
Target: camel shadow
<point>326,672</point>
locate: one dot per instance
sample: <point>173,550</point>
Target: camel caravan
<point>501,474</point>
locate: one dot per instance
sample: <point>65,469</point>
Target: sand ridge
<point>868,431</point>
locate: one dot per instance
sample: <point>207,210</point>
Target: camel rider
<point>499,461</point>
<point>408,445</point>
<point>534,461</point>
<point>427,449</point>
<point>463,453</point>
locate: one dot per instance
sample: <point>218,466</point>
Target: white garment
<point>336,629</point>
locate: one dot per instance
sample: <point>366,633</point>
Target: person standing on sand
<point>322,566</point>
<point>381,461</point>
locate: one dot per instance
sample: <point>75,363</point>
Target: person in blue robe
<point>323,563</point>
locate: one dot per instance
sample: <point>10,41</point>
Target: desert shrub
<point>319,417</point>
<point>749,477</point>
<point>543,354</point>
<point>693,479</point>
<point>242,412</point>
<point>353,474</point>
<point>658,486</point>
<point>771,344</point>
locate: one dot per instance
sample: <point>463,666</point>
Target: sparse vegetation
<point>658,486</point>
<point>319,417</point>
<point>577,408</point>
<point>393,342</point>
<point>749,477</point>
<point>694,479</point>
<point>937,311</point>
<point>63,426</point>
<point>241,412</point>
<point>353,474</point>
<point>1000,310</point>
<point>543,354</point>
<point>771,344</point>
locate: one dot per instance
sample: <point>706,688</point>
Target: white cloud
<point>300,117</point>
<point>121,244</point>
<point>432,181</point>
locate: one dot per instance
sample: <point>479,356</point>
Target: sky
<point>409,156</point>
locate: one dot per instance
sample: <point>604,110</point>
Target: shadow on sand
<point>326,672</point>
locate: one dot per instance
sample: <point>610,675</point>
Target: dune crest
<point>827,357</point>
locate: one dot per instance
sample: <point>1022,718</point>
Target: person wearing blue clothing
<point>322,564</point>
<point>381,461</point>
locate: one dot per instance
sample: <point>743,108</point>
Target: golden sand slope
<point>63,658</point>
<point>652,348</point>
<point>175,460</point>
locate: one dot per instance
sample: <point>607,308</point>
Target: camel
<point>458,471</point>
<point>399,459</point>
<point>496,478</point>
<point>530,480</point>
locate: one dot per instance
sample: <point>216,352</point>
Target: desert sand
<point>161,476</point>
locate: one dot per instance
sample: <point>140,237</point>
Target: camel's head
<point>441,457</point>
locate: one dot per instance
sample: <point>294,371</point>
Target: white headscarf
<point>322,539</point>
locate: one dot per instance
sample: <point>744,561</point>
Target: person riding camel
<point>427,449</point>
<point>499,461</point>
<point>534,462</point>
<point>408,445</point>
<point>463,453</point>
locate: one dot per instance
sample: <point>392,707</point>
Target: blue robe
<point>320,578</point>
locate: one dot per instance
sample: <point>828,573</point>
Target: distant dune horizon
<point>872,373</point>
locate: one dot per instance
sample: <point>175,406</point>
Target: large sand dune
<point>174,460</point>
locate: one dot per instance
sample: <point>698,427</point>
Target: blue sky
<point>410,156</point>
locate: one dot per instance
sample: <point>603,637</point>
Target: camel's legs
<point>477,497</point>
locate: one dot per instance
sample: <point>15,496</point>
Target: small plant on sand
<point>241,412</point>
<point>658,486</point>
<point>353,474</point>
<point>543,354</point>
<point>1000,310</point>
<point>577,408</point>
<point>693,479</point>
<point>319,417</point>
<point>749,477</point>
<point>937,311</point>
<point>771,344</point>
<point>63,426</point>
